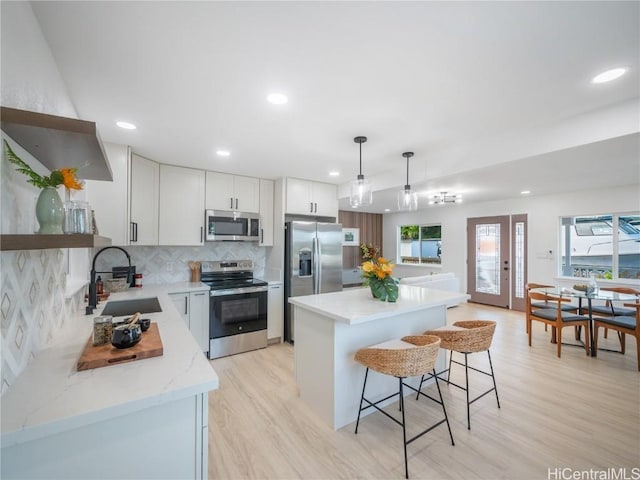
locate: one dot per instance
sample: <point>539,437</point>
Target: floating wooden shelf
<point>58,142</point>
<point>40,242</point>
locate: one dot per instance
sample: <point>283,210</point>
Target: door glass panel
<point>519,254</point>
<point>488,258</point>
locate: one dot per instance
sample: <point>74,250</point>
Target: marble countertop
<point>50,396</point>
<point>356,305</point>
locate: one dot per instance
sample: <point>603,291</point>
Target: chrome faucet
<point>93,294</point>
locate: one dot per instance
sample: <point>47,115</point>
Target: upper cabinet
<point>311,198</point>
<point>266,213</point>
<point>232,192</point>
<point>58,141</point>
<point>110,200</point>
<point>144,201</point>
<point>181,206</point>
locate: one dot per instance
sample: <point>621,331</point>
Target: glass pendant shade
<point>407,200</point>
<point>360,194</point>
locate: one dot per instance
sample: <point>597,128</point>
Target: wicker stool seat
<point>466,337</point>
<point>407,357</point>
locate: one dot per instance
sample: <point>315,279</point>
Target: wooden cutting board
<point>104,355</point>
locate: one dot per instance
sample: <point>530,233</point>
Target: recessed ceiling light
<point>126,125</point>
<point>277,98</point>
<point>609,75</point>
<point>334,173</point>
<point>525,192</point>
<point>387,209</point>
<point>223,153</point>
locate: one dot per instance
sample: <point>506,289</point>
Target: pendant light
<point>407,200</point>
<point>361,194</point>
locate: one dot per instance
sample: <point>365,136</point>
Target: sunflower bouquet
<point>62,176</point>
<point>376,272</point>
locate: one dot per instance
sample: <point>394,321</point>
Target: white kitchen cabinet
<point>266,213</point>
<point>181,220</point>
<point>181,301</point>
<point>199,318</point>
<point>275,311</point>
<point>311,198</point>
<point>144,200</point>
<point>194,310</point>
<point>109,200</point>
<point>232,192</point>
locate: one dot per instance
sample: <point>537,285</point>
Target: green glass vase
<point>49,211</point>
<point>384,290</point>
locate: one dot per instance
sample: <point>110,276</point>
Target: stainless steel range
<point>237,307</point>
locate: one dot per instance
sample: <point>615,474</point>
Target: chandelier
<point>360,191</point>
<point>442,198</point>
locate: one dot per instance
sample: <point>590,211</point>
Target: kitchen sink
<point>120,308</point>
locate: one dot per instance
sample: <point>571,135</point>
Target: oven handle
<point>237,291</point>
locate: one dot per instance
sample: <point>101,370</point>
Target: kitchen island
<point>142,419</point>
<point>331,327</point>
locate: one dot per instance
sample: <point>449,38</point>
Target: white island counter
<point>142,419</point>
<point>331,327</point>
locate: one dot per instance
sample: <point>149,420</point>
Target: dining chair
<point>623,325</point>
<point>609,309</point>
<point>529,286</point>
<point>555,316</point>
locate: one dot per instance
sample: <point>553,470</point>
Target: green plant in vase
<point>377,275</point>
<point>49,208</point>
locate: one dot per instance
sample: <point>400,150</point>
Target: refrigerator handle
<point>314,265</point>
<point>318,265</point>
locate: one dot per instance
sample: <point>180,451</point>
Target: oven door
<point>232,312</point>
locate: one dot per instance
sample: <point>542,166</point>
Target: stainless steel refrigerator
<point>313,263</point>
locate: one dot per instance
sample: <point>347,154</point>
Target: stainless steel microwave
<point>234,226</point>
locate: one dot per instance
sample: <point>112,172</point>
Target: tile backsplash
<point>32,306</point>
<point>171,264</point>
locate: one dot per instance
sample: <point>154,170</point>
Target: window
<point>420,244</point>
<point>607,245</point>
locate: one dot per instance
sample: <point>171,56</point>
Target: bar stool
<point>467,336</point>
<point>410,356</point>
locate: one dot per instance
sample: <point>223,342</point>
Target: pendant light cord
<point>360,158</point>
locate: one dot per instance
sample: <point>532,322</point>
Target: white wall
<point>543,214</point>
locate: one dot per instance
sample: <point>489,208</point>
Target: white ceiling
<point>435,78</point>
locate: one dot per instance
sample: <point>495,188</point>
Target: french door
<point>496,258</point>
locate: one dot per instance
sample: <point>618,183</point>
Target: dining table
<point>589,296</point>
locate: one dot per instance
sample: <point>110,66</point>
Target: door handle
<point>315,210</point>
<point>201,234</point>
<point>261,235</point>
<point>311,207</point>
<point>236,203</point>
<point>231,203</point>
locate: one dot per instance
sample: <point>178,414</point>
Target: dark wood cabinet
<point>370,226</point>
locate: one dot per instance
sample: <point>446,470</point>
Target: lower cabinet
<point>275,311</point>
<point>169,440</point>
<point>194,310</point>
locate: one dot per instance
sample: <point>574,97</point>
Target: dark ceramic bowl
<point>125,336</point>
<point>144,323</point>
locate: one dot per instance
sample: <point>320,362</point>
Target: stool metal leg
<point>449,369</point>
<point>466,379</point>
<point>493,377</point>
<point>366,373</point>
<point>404,431</point>
<point>446,417</point>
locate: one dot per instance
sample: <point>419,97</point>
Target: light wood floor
<point>577,412</point>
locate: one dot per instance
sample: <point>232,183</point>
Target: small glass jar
<point>102,329</point>
<point>138,280</point>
